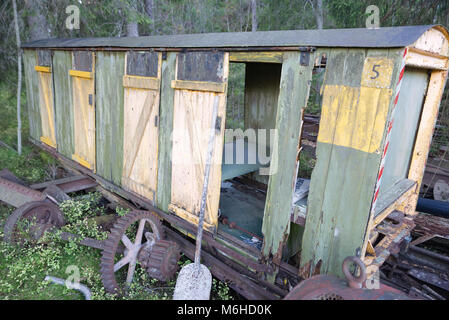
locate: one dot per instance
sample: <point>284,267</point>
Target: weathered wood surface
<point>405,128</point>
<point>165,132</point>
<point>144,64</point>
<point>424,136</point>
<point>46,103</point>
<point>192,122</point>
<point>32,85</point>
<point>109,115</point>
<point>202,66</point>
<point>293,96</point>
<point>84,121</point>
<point>356,104</point>
<point>262,82</point>
<point>62,62</point>
<point>263,57</point>
<point>140,146</point>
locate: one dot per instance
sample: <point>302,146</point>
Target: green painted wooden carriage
<point>134,114</point>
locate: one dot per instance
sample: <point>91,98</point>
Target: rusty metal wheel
<point>30,221</point>
<point>128,234</point>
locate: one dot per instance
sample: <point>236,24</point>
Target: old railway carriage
<point>133,113</point>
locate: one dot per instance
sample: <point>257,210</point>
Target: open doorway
<point>252,101</point>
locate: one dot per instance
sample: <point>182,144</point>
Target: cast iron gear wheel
<point>108,265</point>
<point>162,262</point>
<point>31,220</point>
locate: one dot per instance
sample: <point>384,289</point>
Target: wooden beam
<point>81,74</point>
<point>423,59</point>
<point>199,86</point>
<point>42,69</point>
<point>141,82</point>
<point>263,57</point>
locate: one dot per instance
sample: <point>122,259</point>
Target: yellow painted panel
<point>270,57</point>
<point>48,142</point>
<point>192,116</point>
<point>354,117</point>
<point>81,74</point>
<point>377,72</point>
<point>199,85</point>
<point>84,120</point>
<point>47,108</point>
<point>141,82</point>
<point>140,146</point>
<point>82,161</point>
<point>42,69</point>
<point>190,218</point>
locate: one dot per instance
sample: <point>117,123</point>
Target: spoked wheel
<point>131,239</point>
<point>30,221</point>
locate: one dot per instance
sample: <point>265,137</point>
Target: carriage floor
<point>244,205</point>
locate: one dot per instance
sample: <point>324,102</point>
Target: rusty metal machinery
<point>158,256</point>
<point>37,212</point>
<point>327,287</point>
<point>31,220</point>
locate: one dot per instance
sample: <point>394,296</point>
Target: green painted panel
<point>405,127</point>
<point>165,132</point>
<point>294,91</point>
<point>343,181</point>
<point>32,88</point>
<point>62,63</point>
<point>109,92</point>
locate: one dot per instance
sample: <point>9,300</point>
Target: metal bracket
<point>304,58</point>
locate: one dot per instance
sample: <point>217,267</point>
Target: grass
<point>23,269</point>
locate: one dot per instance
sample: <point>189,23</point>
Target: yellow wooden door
<point>46,105</point>
<point>193,107</point>
<point>140,145</point>
<point>83,92</point>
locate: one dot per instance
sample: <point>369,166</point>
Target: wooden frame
<point>83,85</point>
<point>141,132</point>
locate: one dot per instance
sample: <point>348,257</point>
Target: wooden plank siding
<point>165,132</point>
<point>293,96</point>
<point>356,102</point>
<point>141,130</point>
<point>32,85</point>
<point>83,94</point>
<point>62,63</point>
<point>110,67</point>
<point>191,122</point>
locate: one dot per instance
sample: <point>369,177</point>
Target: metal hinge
<point>218,124</point>
<point>156,121</point>
<point>91,99</point>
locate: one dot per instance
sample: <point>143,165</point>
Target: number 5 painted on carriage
<point>377,72</point>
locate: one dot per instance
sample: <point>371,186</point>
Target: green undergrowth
<point>23,269</point>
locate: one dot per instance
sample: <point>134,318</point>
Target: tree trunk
<point>19,81</point>
<point>319,14</point>
<point>149,9</point>
<point>132,28</point>
<point>254,15</point>
<point>37,22</point>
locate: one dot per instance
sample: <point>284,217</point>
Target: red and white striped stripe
<point>390,126</point>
